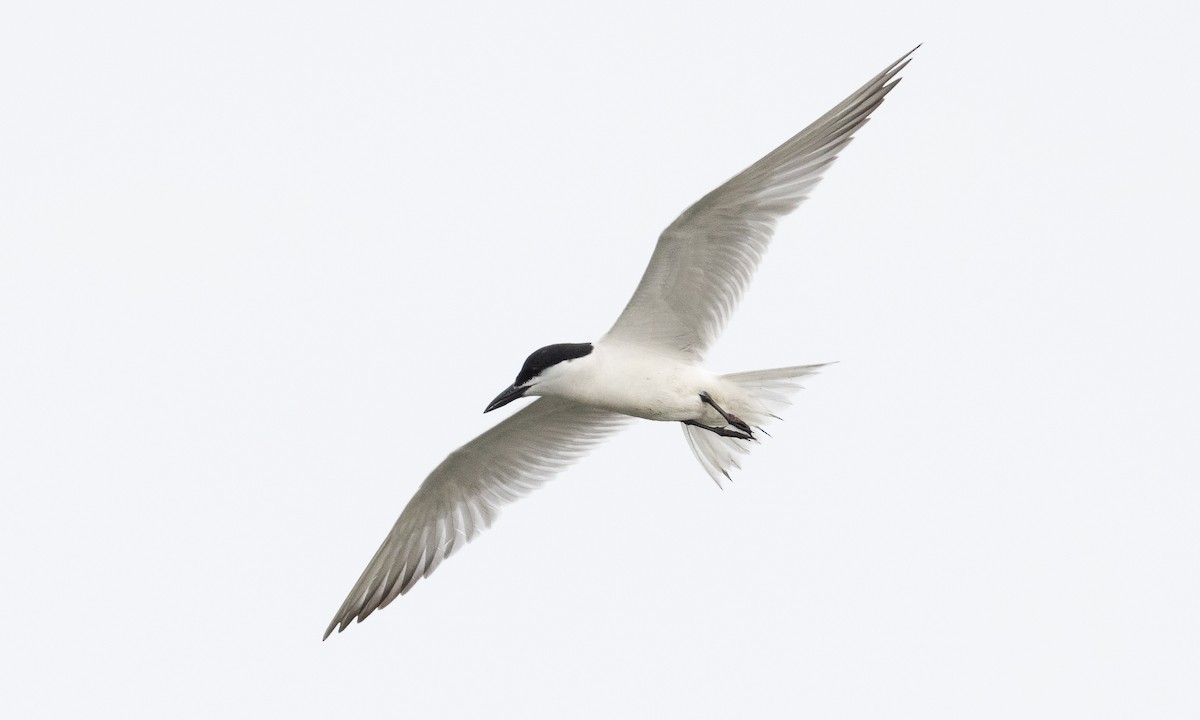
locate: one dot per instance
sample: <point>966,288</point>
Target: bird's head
<point>542,365</point>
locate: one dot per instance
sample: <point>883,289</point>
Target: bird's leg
<point>722,431</point>
<point>733,420</point>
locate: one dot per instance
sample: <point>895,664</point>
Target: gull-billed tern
<point>647,366</point>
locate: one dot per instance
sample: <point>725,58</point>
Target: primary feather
<point>704,260</point>
<point>461,496</point>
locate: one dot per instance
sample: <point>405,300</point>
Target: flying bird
<point>647,366</point>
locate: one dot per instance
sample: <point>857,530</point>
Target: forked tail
<point>767,393</point>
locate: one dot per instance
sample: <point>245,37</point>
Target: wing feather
<point>462,496</point>
<point>704,261</point>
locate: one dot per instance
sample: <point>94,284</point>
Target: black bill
<point>511,393</point>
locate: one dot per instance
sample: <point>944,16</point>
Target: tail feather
<point>767,393</point>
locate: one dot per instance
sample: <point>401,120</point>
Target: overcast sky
<point>263,264</point>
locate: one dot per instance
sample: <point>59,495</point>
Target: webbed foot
<point>730,418</point>
<point>723,431</point>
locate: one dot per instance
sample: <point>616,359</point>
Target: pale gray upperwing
<point>463,495</point>
<point>704,261</point>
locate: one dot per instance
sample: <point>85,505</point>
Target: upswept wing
<point>463,495</point>
<point>704,261</point>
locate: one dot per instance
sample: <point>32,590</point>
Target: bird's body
<point>649,365</point>
<point>627,379</point>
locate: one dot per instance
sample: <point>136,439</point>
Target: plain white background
<point>263,264</point>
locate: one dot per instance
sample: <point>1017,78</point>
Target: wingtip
<point>329,630</point>
<point>901,63</point>
<point>339,624</point>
